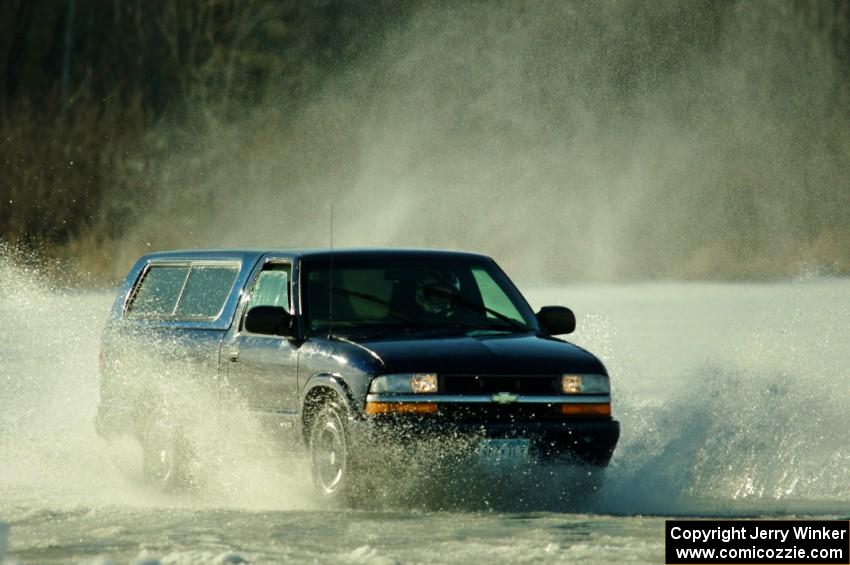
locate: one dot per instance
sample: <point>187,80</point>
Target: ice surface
<point>4,539</point>
<point>732,398</point>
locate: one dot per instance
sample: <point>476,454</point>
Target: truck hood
<point>484,355</point>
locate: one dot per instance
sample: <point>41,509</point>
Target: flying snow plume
<point>49,371</point>
<point>729,395</point>
<point>571,140</point>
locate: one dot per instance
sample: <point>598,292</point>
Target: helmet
<point>437,291</point>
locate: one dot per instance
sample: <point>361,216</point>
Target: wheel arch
<point>321,388</point>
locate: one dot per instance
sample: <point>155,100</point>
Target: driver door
<point>262,370</point>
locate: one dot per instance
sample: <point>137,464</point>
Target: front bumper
<point>554,432</point>
<point>590,441</point>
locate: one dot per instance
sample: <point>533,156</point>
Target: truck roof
<point>318,253</point>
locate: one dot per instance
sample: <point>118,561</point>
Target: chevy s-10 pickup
<point>351,351</point>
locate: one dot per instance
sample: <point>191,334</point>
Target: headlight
<point>585,384</point>
<point>405,383</point>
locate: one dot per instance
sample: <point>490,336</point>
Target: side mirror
<point>269,320</point>
<point>557,320</point>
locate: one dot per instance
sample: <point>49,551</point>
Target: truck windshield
<point>391,295</point>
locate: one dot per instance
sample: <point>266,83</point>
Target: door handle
<point>233,355</point>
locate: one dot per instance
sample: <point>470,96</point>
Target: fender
<point>335,382</point>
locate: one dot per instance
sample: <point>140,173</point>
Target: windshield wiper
<point>509,324</point>
<point>375,300</point>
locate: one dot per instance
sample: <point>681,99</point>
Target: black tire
<point>332,462</point>
<point>166,456</point>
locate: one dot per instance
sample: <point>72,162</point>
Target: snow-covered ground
<point>732,399</point>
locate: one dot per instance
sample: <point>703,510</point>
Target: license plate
<point>503,452</point>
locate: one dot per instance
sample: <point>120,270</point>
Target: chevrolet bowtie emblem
<point>505,398</point>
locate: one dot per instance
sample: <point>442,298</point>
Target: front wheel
<point>331,459</point>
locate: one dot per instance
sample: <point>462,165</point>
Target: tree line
<point>96,92</point>
<point>84,82</point>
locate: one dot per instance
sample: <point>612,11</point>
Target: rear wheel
<point>165,453</point>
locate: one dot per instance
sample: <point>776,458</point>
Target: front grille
<point>492,384</point>
<point>499,413</point>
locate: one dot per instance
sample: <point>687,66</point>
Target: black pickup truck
<point>352,351</point>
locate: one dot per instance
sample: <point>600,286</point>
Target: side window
<point>158,291</point>
<point>206,291</point>
<point>183,292</point>
<point>272,287</point>
<point>494,297</point>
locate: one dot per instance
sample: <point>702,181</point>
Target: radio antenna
<point>331,276</point>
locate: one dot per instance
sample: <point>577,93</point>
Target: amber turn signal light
<point>375,408</point>
<point>591,410</point>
